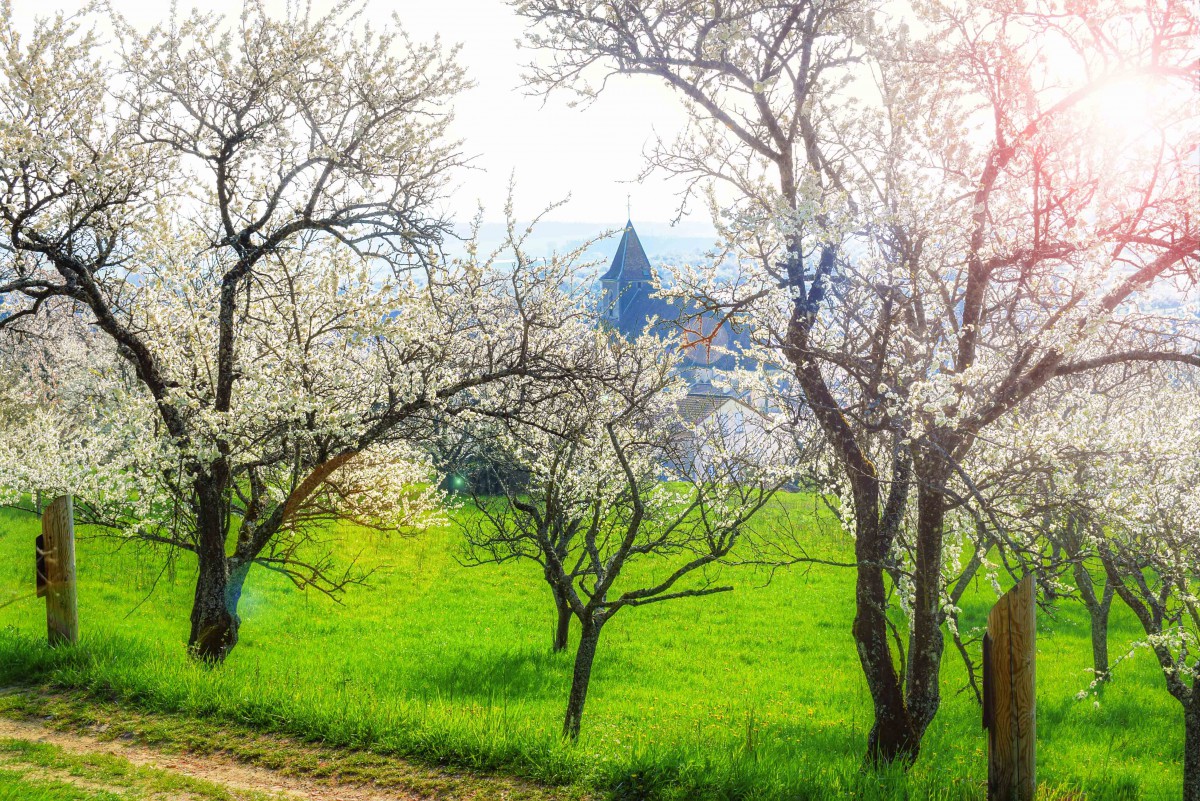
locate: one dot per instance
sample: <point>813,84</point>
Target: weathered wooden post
<point>56,571</point>
<point>1009,698</point>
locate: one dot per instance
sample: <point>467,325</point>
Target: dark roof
<point>699,404</point>
<point>630,262</point>
<point>637,303</point>
<point>696,406</point>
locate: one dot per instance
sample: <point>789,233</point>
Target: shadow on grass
<point>528,674</point>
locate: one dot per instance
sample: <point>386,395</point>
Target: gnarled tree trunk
<point>1099,617</point>
<point>588,639</point>
<point>926,644</point>
<point>214,630</point>
<point>1098,609</point>
<point>892,736</point>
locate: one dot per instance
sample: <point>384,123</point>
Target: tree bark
<point>892,736</point>
<point>927,645</point>
<point>563,628</point>
<point>214,630</point>
<point>1099,617</point>
<point>1048,591</point>
<point>1098,609</point>
<point>1191,746</point>
<point>584,656</point>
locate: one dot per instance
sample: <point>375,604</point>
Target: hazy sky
<point>553,151</point>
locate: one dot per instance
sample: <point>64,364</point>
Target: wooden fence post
<point>56,571</point>
<point>1009,694</point>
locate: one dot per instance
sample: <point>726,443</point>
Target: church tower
<point>630,274</point>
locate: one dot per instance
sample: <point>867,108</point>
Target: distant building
<point>626,290</point>
<point>741,428</point>
<point>628,304</point>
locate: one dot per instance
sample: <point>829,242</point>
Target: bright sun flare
<point>1128,109</point>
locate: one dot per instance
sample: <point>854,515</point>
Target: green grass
<point>15,787</point>
<point>754,694</point>
<point>165,736</point>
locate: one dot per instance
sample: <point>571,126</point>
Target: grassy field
<point>753,694</point>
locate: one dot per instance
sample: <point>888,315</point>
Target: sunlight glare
<point>1126,111</point>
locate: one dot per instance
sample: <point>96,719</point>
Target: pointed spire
<point>630,262</point>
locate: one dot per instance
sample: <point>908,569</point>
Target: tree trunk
<point>1098,609</point>
<point>927,644</point>
<point>214,626</point>
<point>1100,635</point>
<point>563,629</point>
<point>892,736</point>
<point>588,639</point>
<point>1191,746</point>
<point>1048,591</point>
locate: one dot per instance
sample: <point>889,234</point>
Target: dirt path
<point>237,777</point>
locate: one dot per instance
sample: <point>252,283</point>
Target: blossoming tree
<point>244,213</point>
<point>622,502</point>
<point>1137,465</point>
<point>1150,546</point>
<point>934,222</point>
